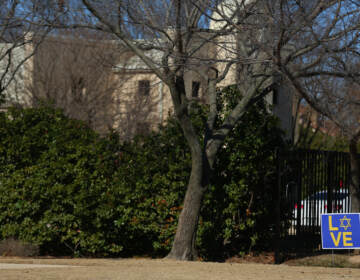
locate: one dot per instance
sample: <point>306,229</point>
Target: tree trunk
<point>184,247</point>
<point>355,177</point>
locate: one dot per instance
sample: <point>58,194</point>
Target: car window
<point>319,196</point>
<point>323,196</point>
<point>341,196</point>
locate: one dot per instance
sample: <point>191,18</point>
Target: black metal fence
<point>312,183</point>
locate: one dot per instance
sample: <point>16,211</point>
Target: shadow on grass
<point>344,260</point>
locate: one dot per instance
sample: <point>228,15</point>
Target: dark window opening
<point>195,89</point>
<point>144,87</point>
<point>275,97</point>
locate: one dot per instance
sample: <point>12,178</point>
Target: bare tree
<point>315,48</point>
<point>338,100</point>
<point>187,47</point>
<point>265,43</point>
<point>17,29</point>
<point>351,127</point>
<point>312,130</point>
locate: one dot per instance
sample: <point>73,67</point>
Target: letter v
<point>337,240</point>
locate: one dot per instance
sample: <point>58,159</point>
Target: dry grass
<point>147,269</point>
<point>328,260</point>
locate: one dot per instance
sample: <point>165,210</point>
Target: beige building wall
<point>128,110</point>
<point>131,109</point>
<point>141,104</point>
<point>20,70</point>
<point>138,112</point>
<point>17,74</point>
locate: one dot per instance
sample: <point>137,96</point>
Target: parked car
<point>314,205</point>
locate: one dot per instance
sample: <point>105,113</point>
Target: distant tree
<point>18,25</point>
<point>315,48</point>
<point>338,100</point>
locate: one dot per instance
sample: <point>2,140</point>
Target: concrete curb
<point>29,266</point>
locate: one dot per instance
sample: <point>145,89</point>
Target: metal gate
<point>312,183</point>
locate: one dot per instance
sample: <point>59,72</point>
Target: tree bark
<point>355,177</point>
<point>184,247</point>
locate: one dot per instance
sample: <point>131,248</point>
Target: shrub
<point>151,181</point>
<point>69,191</point>
<point>55,174</point>
<point>238,211</point>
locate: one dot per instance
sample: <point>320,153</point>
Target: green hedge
<point>55,175</point>
<point>71,191</point>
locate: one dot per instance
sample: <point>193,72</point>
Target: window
<point>275,97</point>
<point>144,87</point>
<point>195,89</point>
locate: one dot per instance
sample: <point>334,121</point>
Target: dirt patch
<point>145,269</point>
<point>264,258</point>
<point>327,260</point>
<point>355,259</point>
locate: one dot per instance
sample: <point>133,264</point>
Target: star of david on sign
<point>347,223</point>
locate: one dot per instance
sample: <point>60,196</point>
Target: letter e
<point>346,238</point>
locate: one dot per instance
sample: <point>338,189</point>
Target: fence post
<point>299,156</point>
<point>330,181</point>
<point>277,207</point>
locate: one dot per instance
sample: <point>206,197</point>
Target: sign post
<point>340,231</point>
